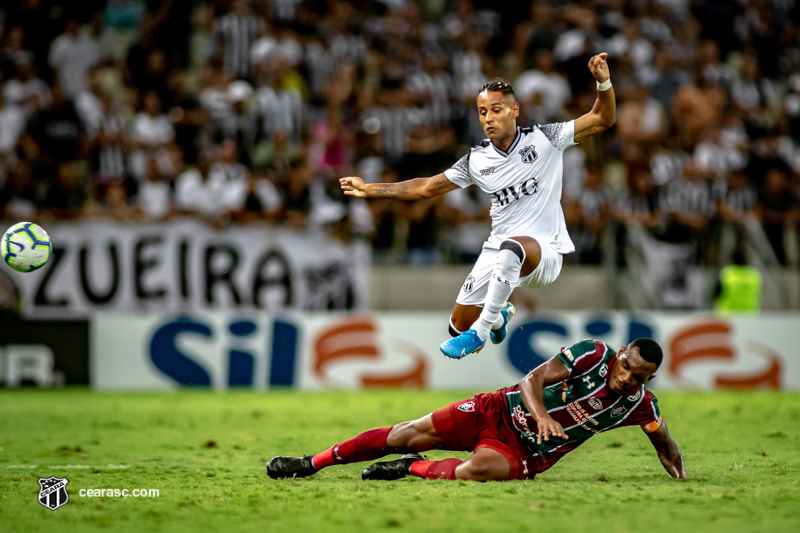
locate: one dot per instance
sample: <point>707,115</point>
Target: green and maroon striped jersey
<point>583,404</point>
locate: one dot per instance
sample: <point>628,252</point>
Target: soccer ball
<point>25,247</point>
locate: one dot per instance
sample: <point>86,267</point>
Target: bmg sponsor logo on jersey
<point>505,196</point>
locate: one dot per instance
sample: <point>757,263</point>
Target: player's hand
<point>353,186</point>
<point>549,428</point>
<point>599,67</point>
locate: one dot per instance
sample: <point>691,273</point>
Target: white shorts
<point>474,290</point>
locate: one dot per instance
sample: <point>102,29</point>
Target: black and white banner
<point>186,265</point>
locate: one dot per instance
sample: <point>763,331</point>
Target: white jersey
<point>524,183</point>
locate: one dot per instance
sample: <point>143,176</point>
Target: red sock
<point>363,447</point>
<point>445,469</point>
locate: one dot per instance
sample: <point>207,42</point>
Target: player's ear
<point>515,109</point>
<point>650,378</point>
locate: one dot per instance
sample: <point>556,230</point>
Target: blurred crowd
<point>240,111</point>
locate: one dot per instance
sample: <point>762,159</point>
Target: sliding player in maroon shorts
<point>518,431</point>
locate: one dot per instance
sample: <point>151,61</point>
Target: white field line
<point>66,466</point>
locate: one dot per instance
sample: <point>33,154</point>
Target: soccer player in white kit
<point>522,170</point>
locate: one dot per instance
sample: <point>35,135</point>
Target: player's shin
<point>365,446</point>
<point>504,278</point>
<point>444,469</point>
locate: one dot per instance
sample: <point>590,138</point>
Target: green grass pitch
<point>205,453</point>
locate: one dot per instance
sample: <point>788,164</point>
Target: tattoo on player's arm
<point>587,131</point>
<point>441,185</point>
<point>391,190</point>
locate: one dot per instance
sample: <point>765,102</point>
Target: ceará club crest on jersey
<point>53,492</point>
<point>528,154</point>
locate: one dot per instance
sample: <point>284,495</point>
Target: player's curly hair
<point>649,350</point>
<point>499,85</point>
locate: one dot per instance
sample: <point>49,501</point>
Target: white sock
<point>499,322</point>
<point>505,278</point>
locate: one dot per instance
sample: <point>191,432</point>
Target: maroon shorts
<point>484,422</point>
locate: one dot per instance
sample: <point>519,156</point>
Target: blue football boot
<point>499,335</point>
<point>463,345</point>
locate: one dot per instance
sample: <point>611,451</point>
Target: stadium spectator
<point>25,89</point>
<point>263,201</point>
<point>776,201</point>
<point>154,199</point>
<point>592,213</point>
<point>186,114</point>
<point>110,144</point>
<point>229,178</point>
<point>666,76</point>
<point>71,55</point>
<point>241,126</point>
<point>13,51</point>
<point>18,197</point>
<point>576,46</point>
<point>433,89</point>
<point>642,124</point>
<point>171,21</point>
<point>58,129</point>
<point>66,197</point>
<point>281,108</point>
<point>391,119</point>
<point>297,195</point>
<point>636,207</point>
<point>542,90</point>
<point>151,132</point>
<point>345,216</point>
<point>538,32</point>
<point>88,103</point>
<point>689,205</point>
<point>12,125</point>
<point>194,192</point>
<point>385,214</point>
<point>468,213</point>
<point>235,32</point>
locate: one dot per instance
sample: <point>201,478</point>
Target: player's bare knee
<point>407,435</point>
<point>400,435</point>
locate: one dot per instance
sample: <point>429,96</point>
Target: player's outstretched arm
<point>532,387</point>
<point>668,452</point>
<point>604,112</point>
<point>416,189</point>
